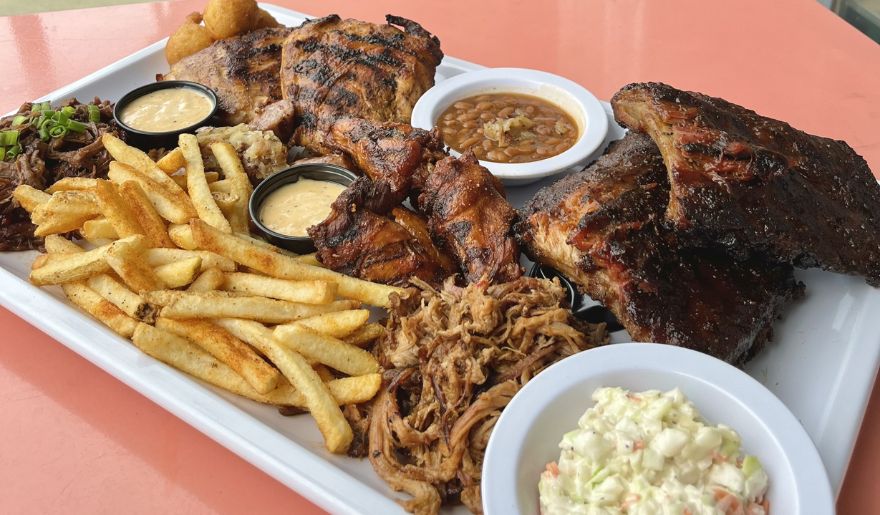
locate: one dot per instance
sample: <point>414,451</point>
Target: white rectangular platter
<point>822,360</point>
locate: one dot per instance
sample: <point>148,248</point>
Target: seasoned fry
<point>117,211</point>
<point>100,308</point>
<point>172,161</point>
<point>195,305</point>
<point>365,335</point>
<point>307,292</point>
<point>65,211</point>
<point>166,297</point>
<point>285,267</point>
<point>226,348</point>
<point>210,279</point>
<point>172,204</point>
<point>211,177</point>
<point>320,402</point>
<point>29,197</point>
<point>327,350</point>
<point>323,372</point>
<point>233,171</point>
<point>145,212</point>
<point>126,300</point>
<point>309,259</point>
<point>181,235</point>
<point>73,184</point>
<point>78,267</point>
<point>56,244</point>
<point>158,257</point>
<point>197,185</point>
<point>223,186</point>
<point>225,201</point>
<point>126,259</point>
<point>188,357</point>
<point>179,273</point>
<point>97,230</point>
<point>338,324</point>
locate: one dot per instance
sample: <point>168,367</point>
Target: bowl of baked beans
<point>523,125</point>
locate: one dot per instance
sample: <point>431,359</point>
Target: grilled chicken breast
<point>332,67</point>
<point>242,70</point>
<point>758,185</point>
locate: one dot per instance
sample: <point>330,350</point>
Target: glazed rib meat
<point>358,242</point>
<point>242,70</point>
<point>333,67</point>
<point>605,229</point>
<point>758,185</point>
<point>469,216</point>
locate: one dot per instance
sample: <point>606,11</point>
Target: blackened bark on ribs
<point>605,229</point>
<point>757,185</point>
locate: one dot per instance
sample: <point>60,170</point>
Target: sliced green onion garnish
<point>68,110</point>
<point>14,151</point>
<point>75,126</point>
<point>40,106</point>
<point>19,120</point>
<point>8,138</point>
<point>44,133</point>
<point>94,113</point>
<point>58,131</point>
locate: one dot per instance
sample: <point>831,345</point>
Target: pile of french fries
<point>171,265</point>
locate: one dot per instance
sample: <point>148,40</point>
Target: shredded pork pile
<point>455,358</point>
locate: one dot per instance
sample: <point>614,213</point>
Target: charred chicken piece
<point>758,185</point>
<point>242,70</point>
<point>389,153</point>
<point>333,67</point>
<point>358,242</point>
<point>605,229</point>
<point>469,216</point>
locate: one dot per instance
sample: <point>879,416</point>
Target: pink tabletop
<point>75,440</point>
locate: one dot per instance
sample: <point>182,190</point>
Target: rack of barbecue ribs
<point>757,185</point>
<point>332,67</point>
<point>605,229</point>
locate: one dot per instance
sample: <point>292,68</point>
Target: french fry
<point>197,185</point>
<point>98,230</point>
<point>320,402</point>
<point>188,357</point>
<point>171,203</point>
<point>221,186</point>
<point>126,300</point>
<point>323,372</point>
<point>307,292</point>
<point>56,244</point>
<point>117,211</point>
<point>179,273</point>
<point>181,235</point>
<point>172,161</point>
<point>226,348</point>
<point>211,177</point>
<point>100,308</point>
<point>73,184</point>
<point>233,171</point>
<point>167,297</point>
<point>126,259</point>
<point>210,279</point>
<point>338,324</point>
<point>309,259</point>
<point>225,201</point>
<point>29,197</point>
<point>365,335</point>
<point>65,211</point>
<point>79,267</point>
<point>180,180</point>
<point>271,311</point>
<point>327,350</point>
<point>145,212</point>
<point>284,267</point>
<point>158,257</point>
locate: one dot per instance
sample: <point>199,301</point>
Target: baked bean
<point>508,127</point>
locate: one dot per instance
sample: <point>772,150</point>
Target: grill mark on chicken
<point>758,185</point>
<point>605,229</point>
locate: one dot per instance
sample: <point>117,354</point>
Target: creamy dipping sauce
<point>294,207</point>
<point>167,109</point>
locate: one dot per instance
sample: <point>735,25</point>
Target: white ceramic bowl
<point>528,432</point>
<point>573,98</point>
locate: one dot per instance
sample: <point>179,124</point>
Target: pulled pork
<point>455,358</point>
<point>42,163</point>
